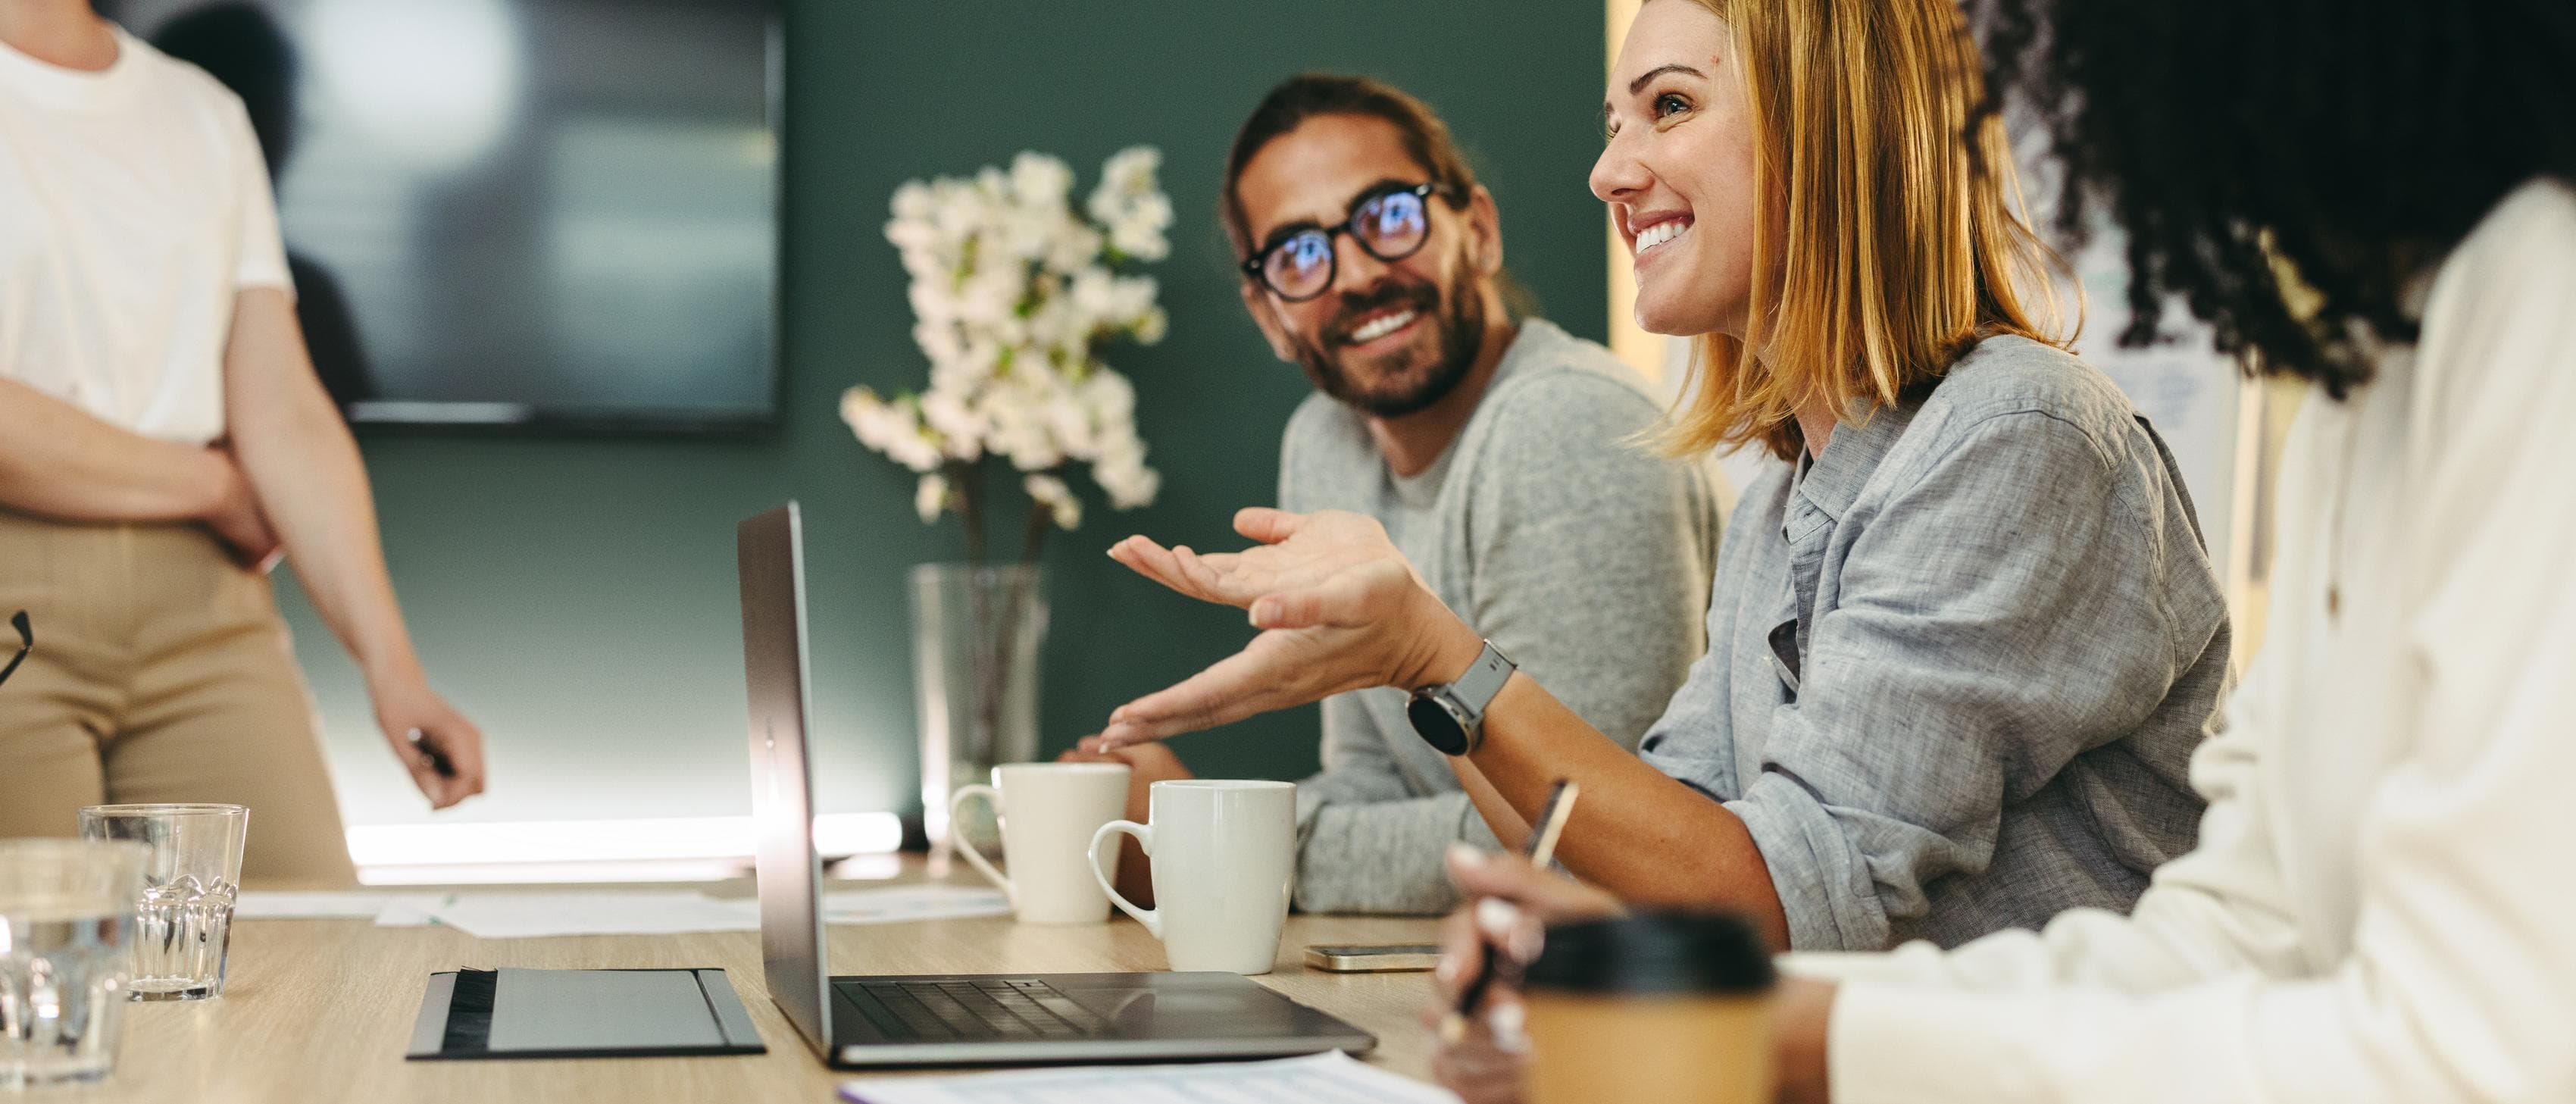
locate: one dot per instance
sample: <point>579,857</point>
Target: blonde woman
<point>1962,640</point>
<point>2376,912</point>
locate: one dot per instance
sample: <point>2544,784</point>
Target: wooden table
<point>321,1010</point>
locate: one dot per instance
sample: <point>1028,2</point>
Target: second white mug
<point>1223,853</point>
<point>1048,812</point>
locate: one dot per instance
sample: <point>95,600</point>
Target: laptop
<point>950,1019</point>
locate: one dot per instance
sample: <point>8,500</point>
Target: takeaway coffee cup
<point>1223,852</point>
<point>1049,812</point>
<point>1669,1008</point>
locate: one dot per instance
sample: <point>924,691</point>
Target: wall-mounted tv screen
<point>516,212</point>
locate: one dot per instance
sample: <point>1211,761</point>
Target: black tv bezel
<point>439,417</point>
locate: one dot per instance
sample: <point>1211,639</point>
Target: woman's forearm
<point>1635,832</point>
<point>58,461</point>
<point>305,469</point>
<point>1511,829</point>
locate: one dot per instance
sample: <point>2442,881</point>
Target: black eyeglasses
<point>26,644</point>
<point>1391,225</point>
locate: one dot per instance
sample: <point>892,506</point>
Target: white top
<point>133,204</point>
<point>2382,906</point>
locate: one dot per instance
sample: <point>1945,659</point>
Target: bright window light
<point>653,849</point>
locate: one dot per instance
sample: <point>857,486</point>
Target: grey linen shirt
<point>1960,660</point>
<point>1582,556</point>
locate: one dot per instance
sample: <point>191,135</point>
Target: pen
<point>1542,848</point>
<point>438,760</point>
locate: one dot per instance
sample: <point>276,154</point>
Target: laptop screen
<point>772,551</point>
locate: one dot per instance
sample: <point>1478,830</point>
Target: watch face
<point>1438,726</point>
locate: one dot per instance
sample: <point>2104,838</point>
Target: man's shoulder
<point>1563,389</point>
<point>1325,451</point>
<point>1322,429</point>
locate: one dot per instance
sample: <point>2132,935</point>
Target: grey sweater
<point>1584,557</point>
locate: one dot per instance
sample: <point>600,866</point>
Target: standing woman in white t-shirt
<point>163,439</point>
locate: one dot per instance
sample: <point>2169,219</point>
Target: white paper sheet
<point>361,904</point>
<point>1333,1078</point>
<point>534,915</point>
<point>898,904</point>
<point>516,915</point>
<point>417,910</point>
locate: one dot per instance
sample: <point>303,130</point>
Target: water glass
<point>184,917</point>
<point>66,915</point>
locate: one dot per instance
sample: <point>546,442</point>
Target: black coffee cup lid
<point>1653,953</point>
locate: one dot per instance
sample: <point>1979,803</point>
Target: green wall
<point>576,595</point>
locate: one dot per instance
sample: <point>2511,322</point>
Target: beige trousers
<point>162,672</point>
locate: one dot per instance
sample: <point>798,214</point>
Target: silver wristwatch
<point>1451,716</point>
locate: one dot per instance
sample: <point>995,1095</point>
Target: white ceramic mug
<point>1223,853</point>
<point>1047,811</point>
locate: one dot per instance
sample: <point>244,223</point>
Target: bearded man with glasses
<point>1496,450</point>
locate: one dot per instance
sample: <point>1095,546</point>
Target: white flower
<point>938,341</point>
<point>1131,205</point>
<point>1138,229</point>
<point>1151,328</point>
<point>1020,430</point>
<point>992,294</point>
<point>956,210</point>
<point>930,498</point>
<point>1128,488</point>
<point>951,416</point>
<point>1050,492</point>
<point>912,202</point>
<point>894,428</point>
<point>1074,248</point>
<point>1013,292</point>
<point>1121,471</point>
<point>1038,180</point>
<point>1107,396</point>
<point>1127,173</point>
<point>1093,293</point>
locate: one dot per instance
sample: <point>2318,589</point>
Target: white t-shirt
<point>133,205</point>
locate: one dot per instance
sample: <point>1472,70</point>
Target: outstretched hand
<point>1339,608</point>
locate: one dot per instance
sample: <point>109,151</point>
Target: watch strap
<point>1475,690</point>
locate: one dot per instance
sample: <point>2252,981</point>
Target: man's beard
<point>1461,337</point>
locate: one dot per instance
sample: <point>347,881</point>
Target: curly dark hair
<point>2349,142</point>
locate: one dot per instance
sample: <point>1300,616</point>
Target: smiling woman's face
<point>1677,171</point>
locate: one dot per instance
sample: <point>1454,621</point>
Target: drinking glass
<point>66,914</point>
<point>184,918</point>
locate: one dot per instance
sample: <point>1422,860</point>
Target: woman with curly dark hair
<point>2378,198</point>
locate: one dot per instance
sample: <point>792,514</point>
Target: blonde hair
<point>1901,245</point>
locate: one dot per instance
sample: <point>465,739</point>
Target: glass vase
<point>976,633</point>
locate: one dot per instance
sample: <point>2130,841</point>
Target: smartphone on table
<point>1360,958</point>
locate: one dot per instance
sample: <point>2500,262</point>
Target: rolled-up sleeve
<point>1998,617</point>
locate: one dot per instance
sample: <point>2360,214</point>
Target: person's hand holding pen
<point>1510,903</point>
<point>436,745</point>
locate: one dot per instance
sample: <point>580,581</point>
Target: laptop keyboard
<point>970,1009</point>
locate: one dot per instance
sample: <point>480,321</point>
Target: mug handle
<point>1152,918</point>
<point>966,847</point>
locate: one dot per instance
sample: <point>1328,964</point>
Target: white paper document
<point>534,915</point>
<point>524,915</point>
<point>342,904</point>
<point>1332,1078</point>
<point>896,904</point>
